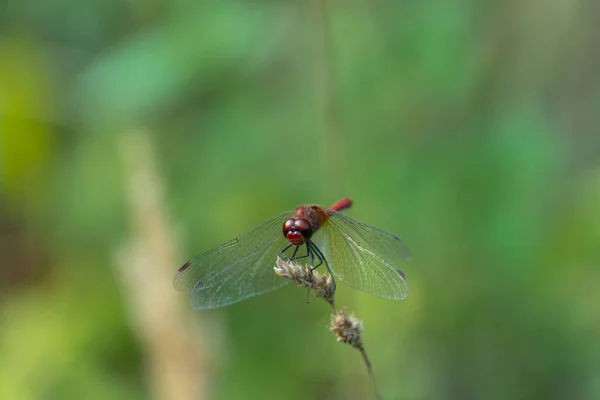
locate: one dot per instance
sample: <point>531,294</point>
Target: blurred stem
<point>333,144</point>
<point>172,344</point>
<point>363,353</point>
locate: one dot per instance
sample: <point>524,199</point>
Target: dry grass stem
<point>321,284</point>
<point>348,329</point>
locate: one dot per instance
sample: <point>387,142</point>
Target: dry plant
<point>304,276</point>
<point>176,355</point>
<point>347,328</point>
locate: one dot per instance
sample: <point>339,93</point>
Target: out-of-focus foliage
<point>470,128</point>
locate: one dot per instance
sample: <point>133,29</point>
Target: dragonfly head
<point>297,231</point>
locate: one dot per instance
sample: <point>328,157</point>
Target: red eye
<point>304,227</point>
<point>287,225</point>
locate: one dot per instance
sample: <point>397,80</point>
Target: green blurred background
<point>137,134</point>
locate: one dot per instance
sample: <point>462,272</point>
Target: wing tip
<point>401,273</point>
<point>184,267</point>
<point>198,285</point>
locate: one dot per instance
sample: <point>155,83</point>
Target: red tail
<point>342,204</point>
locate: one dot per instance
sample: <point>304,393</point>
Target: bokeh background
<point>137,134</point>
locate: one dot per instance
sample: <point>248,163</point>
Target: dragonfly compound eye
<point>287,225</point>
<point>304,227</point>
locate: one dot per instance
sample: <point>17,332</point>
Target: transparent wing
<point>236,270</point>
<point>365,257</point>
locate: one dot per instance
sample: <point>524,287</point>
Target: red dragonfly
<point>362,256</point>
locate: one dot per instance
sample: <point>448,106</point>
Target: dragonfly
<point>362,256</point>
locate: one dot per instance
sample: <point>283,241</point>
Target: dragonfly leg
<point>304,256</point>
<point>314,253</point>
<point>311,253</point>
<point>294,254</point>
<point>322,259</point>
<point>282,252</point>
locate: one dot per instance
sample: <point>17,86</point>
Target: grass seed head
<point>347,328</point>
<point>304,276</point>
